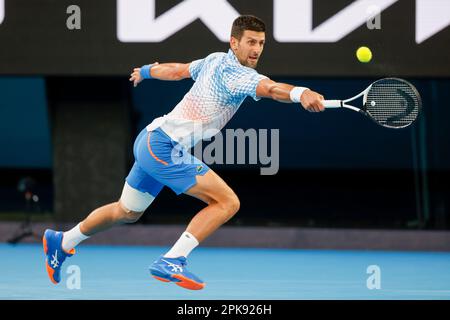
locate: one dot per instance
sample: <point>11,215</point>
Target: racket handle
<point>332,103</point>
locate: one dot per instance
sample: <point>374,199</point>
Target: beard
<point>249,63</point>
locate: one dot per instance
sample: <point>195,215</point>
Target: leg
<point>138,193</point>
<point>60,245</point>
<point>128,209</point>
<point>222,202</point>
<point>222,205</point>
<point>107,216</point>
<point>191,176</point>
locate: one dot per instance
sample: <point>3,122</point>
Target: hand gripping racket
<point>390,102</point>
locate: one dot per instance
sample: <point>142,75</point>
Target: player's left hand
<point>136,76</point>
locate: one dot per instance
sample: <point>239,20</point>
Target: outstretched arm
<point>163,71</point>
<point>282,92</point>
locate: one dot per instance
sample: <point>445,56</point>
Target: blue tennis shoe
<point>52,241</point>
<point>174,270</point>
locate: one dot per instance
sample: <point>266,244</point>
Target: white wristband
<point>296,93</point>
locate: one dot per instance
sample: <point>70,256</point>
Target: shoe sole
<point>182,281</point>
<point>160,279</point>
<point>188,283</point>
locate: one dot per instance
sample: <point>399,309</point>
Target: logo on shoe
<point>55,261</point>
<point>175,267</point>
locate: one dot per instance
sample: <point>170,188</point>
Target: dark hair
<point>246,22</point>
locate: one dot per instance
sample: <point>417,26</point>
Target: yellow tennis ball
<point>364,54</point>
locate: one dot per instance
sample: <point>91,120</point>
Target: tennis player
<point>222,82</point>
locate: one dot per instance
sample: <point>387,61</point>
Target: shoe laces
<point>183,261</point>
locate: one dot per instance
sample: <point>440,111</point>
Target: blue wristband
<point>145,71</point>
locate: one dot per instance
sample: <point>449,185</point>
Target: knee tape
<point>135,200</point>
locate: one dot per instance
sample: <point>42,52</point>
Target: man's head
<point>248,36</point>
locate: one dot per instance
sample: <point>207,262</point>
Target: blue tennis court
<point>120,272</point>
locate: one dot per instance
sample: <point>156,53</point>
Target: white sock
<point>72,238</point>
<point>183,246</point>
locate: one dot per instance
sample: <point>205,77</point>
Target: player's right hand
<point>136,76</point>
<point>312,101</point>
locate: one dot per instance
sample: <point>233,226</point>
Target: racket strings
<point>393,102</point>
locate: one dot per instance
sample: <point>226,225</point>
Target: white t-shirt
<point>221,85</point>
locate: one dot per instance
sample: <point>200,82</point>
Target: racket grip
<point>332,103</point>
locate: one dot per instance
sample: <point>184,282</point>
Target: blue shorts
<point>161,161</point>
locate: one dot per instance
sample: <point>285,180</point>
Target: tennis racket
<point>390,102</point>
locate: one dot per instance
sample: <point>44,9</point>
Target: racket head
<point>392,103</point>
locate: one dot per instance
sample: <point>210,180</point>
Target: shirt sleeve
<point>195,67</point>
<point>244,83</point>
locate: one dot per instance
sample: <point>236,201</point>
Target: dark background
<point>68,118</point>
<point>35,40</point>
